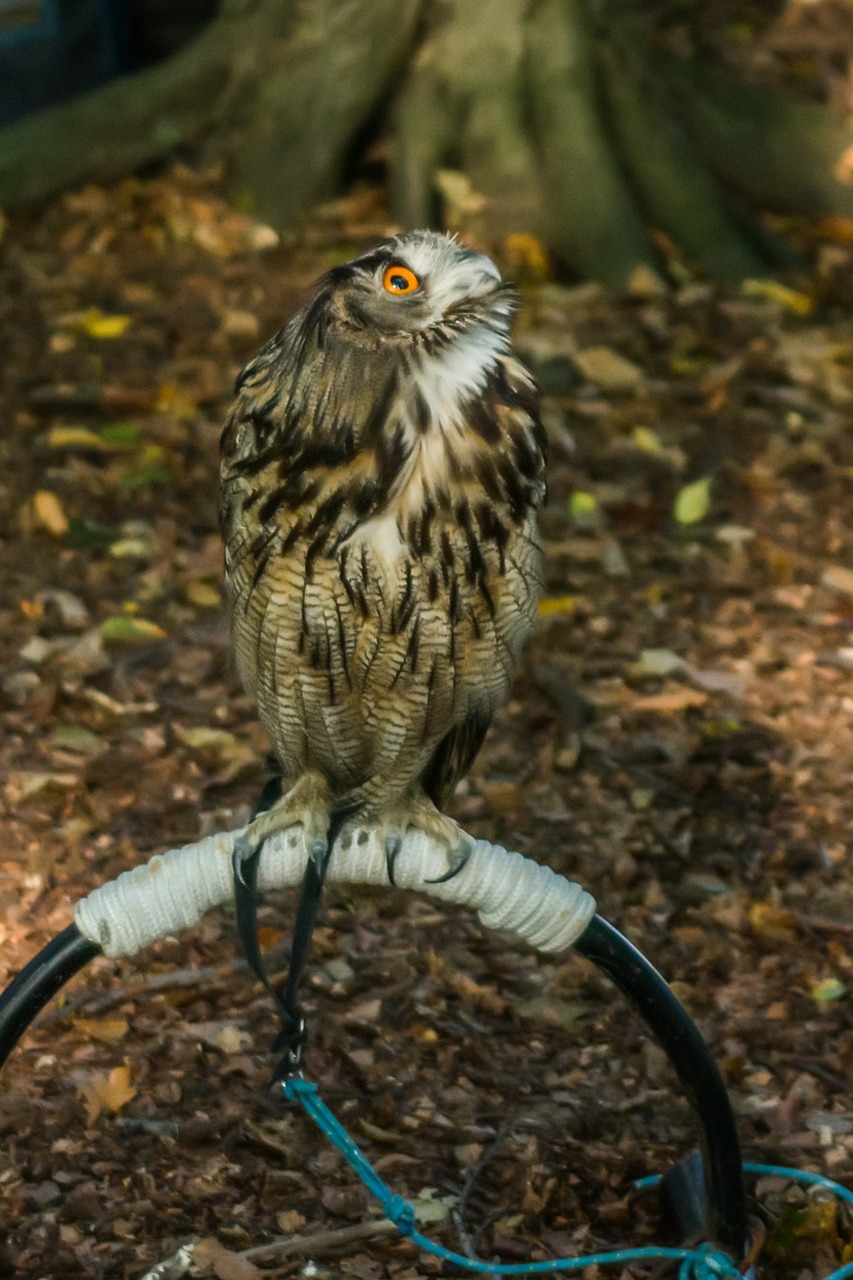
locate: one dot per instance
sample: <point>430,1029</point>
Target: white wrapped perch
<point>175,889</point>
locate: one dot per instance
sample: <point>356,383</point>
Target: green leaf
<point>86,534</point>
<point>126,629</point>
<point>693,501</point>
<point>828,989</point>
<point>74,737</point>
<point>646,440</point>
<point>120,433</point>
<point>154,474</point>
<point>582,505</point>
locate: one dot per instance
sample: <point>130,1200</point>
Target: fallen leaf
<point>171,400</point>
<point>130,549</point>
<point>226,1264</point>
<point>643,282</point>
<point>527,255</point>
<point>203,594</point>
<point>76,738</point>
<point>239,324</point>
<point>108,1093</point>
<point>614,562</point>
<point>677,700</point>
<point>828,989</point>
<point>693,502</point>
<point>89,533</point>
<point>49,513</point>
<point>119,433</point>
<point>551,606</point>
<point>791,299</point>
<point>608,370</point>
<point>70,608</point>
<point>109,1030</point>
<point>769,920</point>
<point>429,1206</point>
<point>290,1221</point>
<point>836,228</point>
<point>78,438</point>
<point>461,199</point>
<point>97,324</point>
<point>655,662</point>
<point>206,738</point>
<point>122,629</point>
<point>219,1035</point>
<point>646,440</point>
<point>584,508</point>
<point>798,1232</point>
<point>838,578</point>
<point>24,784</point>
<point>549,1009</point>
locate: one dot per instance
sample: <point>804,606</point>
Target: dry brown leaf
<point>769,920</point>
<point>203,594</point>
<point>838,578</point>
<point>108,1093</point>
<point>107,1029</point>
<point>49,513</point>
<point>224,1263</point>
<point>677,700</point>
<point>608,369</point>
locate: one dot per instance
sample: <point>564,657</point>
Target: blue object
<point>701,1263</point>
<point>53,49</point>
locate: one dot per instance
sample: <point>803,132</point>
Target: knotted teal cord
<point>791,1175</point>
<point>704,1263</point>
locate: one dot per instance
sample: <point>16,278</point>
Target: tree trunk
<point>560,117</point>
<point>280,85</point>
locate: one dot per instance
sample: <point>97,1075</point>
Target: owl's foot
<point>307,804</point>
<point>422,815</point>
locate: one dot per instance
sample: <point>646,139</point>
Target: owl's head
<point>417,281</point>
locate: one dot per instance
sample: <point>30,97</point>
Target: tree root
<point>563,118</point>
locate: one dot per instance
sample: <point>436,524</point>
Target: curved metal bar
<point>45,975</point>
<point>601,944</point>
<point>700,1077</point>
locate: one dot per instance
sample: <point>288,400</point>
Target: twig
<point>470,1246</point>
<point>322,1241</point>
<point>99,1001</point>
<point>825,924</point>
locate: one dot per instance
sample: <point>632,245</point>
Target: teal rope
<point>791,1175</point>
<point>697,1264</point>
<point>704,1263</point>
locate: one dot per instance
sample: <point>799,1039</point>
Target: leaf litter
<point>679,739</point>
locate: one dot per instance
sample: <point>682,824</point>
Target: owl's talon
<point>458,862</point>
<point>393,845</point>
<point>244,849</point>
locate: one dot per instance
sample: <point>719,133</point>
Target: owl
<point>381,473</point>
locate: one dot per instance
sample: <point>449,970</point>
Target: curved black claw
<point>457,864</point>
<point>393,845</point>
<point>243,852</point>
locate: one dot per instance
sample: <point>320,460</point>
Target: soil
<point>679,740</point>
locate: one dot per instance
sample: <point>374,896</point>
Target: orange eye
<point>399,280</point>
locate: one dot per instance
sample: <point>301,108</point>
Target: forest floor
<point>680,739</point>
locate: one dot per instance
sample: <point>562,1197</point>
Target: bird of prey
<point>382,471</point>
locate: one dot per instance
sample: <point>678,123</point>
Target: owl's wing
<point>453,757</point>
